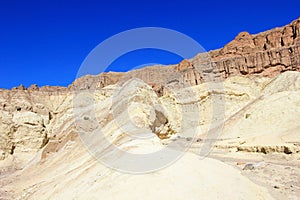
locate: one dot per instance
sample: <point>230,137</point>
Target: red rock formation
<point>268,54</point>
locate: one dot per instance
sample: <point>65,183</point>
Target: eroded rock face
<point>243,43</point>
<point>268,53</point>
<point>6,128</point>
<point>26,116</point>
<point>29,132</point>
<point>21,132</point>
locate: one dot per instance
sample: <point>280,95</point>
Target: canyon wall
<point>267,54</point>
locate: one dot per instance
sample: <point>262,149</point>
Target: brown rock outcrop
<point>184,65</point>
<point>33,87</point>
<point>20,87</point>
<point>268,54</point>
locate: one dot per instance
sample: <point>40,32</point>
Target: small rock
<point>287,150</point>
<point>86,118</point>
<point>247,115</point>
<point>249,167</point>
<point>276,187</point>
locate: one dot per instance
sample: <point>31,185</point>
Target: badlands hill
<point>234,126</point>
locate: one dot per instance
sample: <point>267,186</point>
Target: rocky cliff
<point>268,54</point>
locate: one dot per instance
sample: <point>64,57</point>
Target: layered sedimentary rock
<point>268,54</point>
<point>26,117</point>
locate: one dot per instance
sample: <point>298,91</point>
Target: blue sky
<point>45,42</point>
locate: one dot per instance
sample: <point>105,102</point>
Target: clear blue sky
<point>45,42</point>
